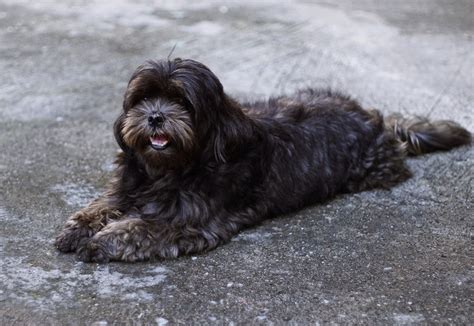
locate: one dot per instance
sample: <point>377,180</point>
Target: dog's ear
<point>232,131</point>
<point>218,117</point>
<point>221,142</point>
<point>198,85</point>
<point>136,89</point>
<point>139,84</point>
<point>118,133</point>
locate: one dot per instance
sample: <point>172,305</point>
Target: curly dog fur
<point>197,167</point>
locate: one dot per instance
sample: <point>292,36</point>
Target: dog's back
<point>324,143</point>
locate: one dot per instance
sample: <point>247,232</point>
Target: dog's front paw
<point>72,236</point>
<point>95,250</point>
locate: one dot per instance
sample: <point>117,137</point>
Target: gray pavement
<point>381,257</point>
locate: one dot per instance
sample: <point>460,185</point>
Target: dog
<point>196,166</point>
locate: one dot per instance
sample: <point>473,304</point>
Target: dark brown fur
<point>229,165</point>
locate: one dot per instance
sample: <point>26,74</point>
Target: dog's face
<point>175,113</point>
<point>169,110</point>
<point>160,130</point>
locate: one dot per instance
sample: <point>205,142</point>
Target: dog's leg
<point>137,240</point>
<point>85,223</point>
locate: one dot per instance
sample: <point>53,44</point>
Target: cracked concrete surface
<point>381,257</point>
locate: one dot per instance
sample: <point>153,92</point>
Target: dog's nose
<point>156,119</point>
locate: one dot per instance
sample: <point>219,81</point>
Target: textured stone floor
<point>382,257</point>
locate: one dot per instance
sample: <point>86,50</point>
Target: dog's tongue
<point>159,140</point>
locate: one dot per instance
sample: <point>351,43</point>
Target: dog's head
<point>176,112</point>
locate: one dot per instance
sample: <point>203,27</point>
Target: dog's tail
<point>420,136</point>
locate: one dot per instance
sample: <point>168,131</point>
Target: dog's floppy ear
<point>199,86</point>
<point>220,145</point>
<point>213,115</point>
<point>220,117</point>
<point>232,130</point>
<point>118,133</point>
<point>136,89</point>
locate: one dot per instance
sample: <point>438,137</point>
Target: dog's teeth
<point>159,141</point>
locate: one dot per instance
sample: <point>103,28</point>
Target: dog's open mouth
<point>159,141</point>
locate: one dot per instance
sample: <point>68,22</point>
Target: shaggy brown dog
<point>197,167</point>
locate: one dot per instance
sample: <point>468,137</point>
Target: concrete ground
<point>381,257</point>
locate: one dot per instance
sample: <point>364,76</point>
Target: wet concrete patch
<point>47,289</point>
